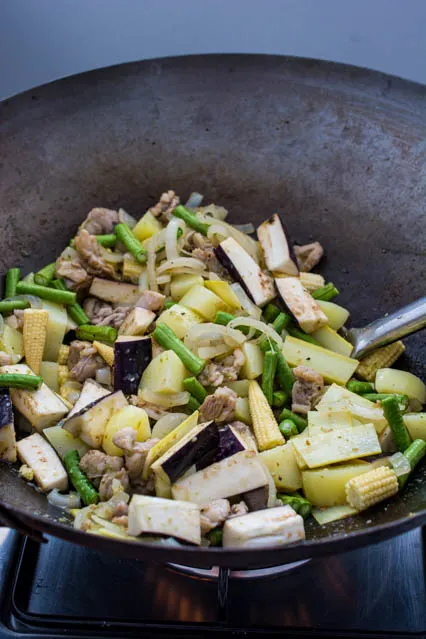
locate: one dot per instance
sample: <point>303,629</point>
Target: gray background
<point>41,40</point>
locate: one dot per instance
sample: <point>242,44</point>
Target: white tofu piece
<point>38,454</point>
<point>304,307</point>
<point>114,292</point>
<point>7,429</point>
<point>41,407</point>
<point>157,516</point>
<point>137,322</point>
<point>270,527</point>
<point>276,248</point>
<point>90,392</point>
<point>259,285</point>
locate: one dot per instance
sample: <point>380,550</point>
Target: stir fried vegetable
<point>178,373</point>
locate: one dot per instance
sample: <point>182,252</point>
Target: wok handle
<point>9,520</point>
<point>405,321</point>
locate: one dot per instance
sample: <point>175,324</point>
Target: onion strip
<point>165,400</point>
<point>172,247</point>
<point>249,307</point>
<point>256,325</point>
<point>70,500</point>
<point>196,266</point>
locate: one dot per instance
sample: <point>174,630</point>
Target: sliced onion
<point>81,516</point>
<point>217,233</point>
<point>70,500</point>
<point>71,391</point>
<point>214,276</point>
<point>167,423</point>
<point>208,352</point>
<point>103,376</point>
<point>196,266</point>
<point>206,334</point>
<point>126,218</point>
<point>218,212</point>
<point>245,228</point>
<point>194,200</point>
<point>34,302</point>
<point>112,257</point>
<point>163,279</point>
<point>143,283</point>
<point>234,337</point>
<point>248,243</point>
<point>172,248</point>
<point>150,271</point>
<point>165,400</point>
<point>256,325</point>
<point>249,307</point>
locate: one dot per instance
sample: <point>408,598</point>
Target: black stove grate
<point>59,588</point>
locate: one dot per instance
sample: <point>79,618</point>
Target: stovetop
<point>58,588</point>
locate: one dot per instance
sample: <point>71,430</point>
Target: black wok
<point>339,151</point>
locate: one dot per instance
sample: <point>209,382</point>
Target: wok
<point>338,151</point>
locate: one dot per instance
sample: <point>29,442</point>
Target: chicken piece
<point>84,361</point>
<point>121,521</point>
<point>306,390</point>
<point>69,267</point>
<point>5,359</point>
<point>153,411</point>
<point>100,221</point>
<point>220,406</point>
<point>95,464</point>
<point>91,254</point>
<point>135,454</point>
<point>208,256</point>
<point>214,514</point>
<point>308,256</point>
<point>103,314</point>
<point>151,300</point>
<point>223,371</point>
<point>93,307</point>
<point>164,207</point>
<point>238,509</point>
<point>105,487</point>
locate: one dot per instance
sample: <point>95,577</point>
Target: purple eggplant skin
<point>131,357</point>
<point>257,499</point>
<point>233,272</point>
<point>196,451</point>
<point>6,412</point>
<point>228,444</point>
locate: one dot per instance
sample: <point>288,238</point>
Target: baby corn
<point>370,488</point>
<point>106,352</point>
<point>63,354</point>
<point>265,425</point>
<point>35,331</point>
<point>380,358</point>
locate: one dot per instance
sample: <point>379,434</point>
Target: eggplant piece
<point>229,443</point>
<point>131,357</point>
<point>90,422</point>
<point>278,251</point>
<point>257,499</point>
<point>91,392</point>
<point>258,285</point>
<point>137,322</point>
<point>199,444</point>
<point>114,292</point>
<point>301,304</point>
<point>270,527</point>
<point>165,517</point>
<point>38,454</point>
<point>232,476</point>
<point>7,429</point>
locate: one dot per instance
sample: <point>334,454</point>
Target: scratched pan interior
<point>338,151</point>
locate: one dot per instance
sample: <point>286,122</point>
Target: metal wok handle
<point>9,520</point>
<point>405,321</point>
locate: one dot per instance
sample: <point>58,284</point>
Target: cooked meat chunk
<point>100,221</point>
<point>214,514</point>
<point>164,207</point>
<point>226,370</point>
<point>308,256</point>
<point>220,406</point>
<point>238,509</point>
<point>207,255</point>
<point>153,411</point>
<point>91,254</point>
<point>151,300</point>
<point>121,521</point>
<point>103,314</point>
<point>83,361</point>
<point>106,485</point>
<point>135,452</point>
<point>306,390</point>
<point>95,464</point>
<point>125,438</point>
<point>194,240</point>
<point>70,268</point>
<point>5,359</point>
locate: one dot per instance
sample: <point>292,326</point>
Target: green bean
<point>58,297</point>
<point>99,333</point>
<point>12,278</point>
<point>285,377</point>
<point>107,241</point>
<point>8,306</point>
<point>197,390</point>
<point>279,398</point>
<point>169,340</point>
<point>169,304</point>
<point>270,312</point>
<point>414,453</point>
<point>325,293</point>
<point>125,234</point>
<point>45,275</point>
<point>193,404</point>
<point>288,428</point>
<point>224,319</point>
<point>379,397</point>
<point>215,537</point>
<point>75,311</point>
<point>296,332</point>
<point>28,278</point>
<point>394,418</point>
<point>192,220</point>
<point>16,380</point>
<point>268,376</point>
<point>78,479</point>
<point>300,422</point>
<point>360,387</point>
<point>280,322</point>
<point>302,506</point>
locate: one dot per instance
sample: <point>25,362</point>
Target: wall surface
<point>41,40</point>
